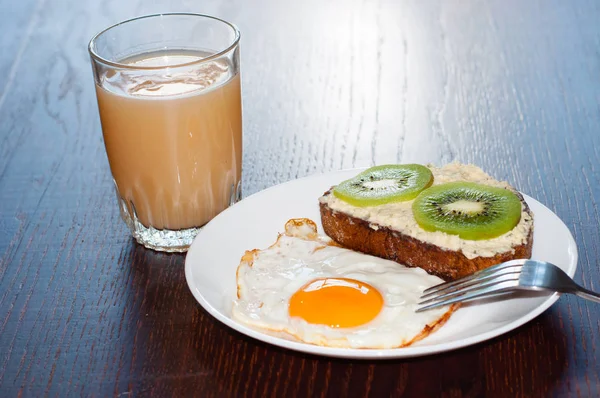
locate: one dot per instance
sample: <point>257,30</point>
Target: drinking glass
<point>169,98</point>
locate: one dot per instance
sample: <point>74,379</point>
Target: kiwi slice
<point>469,210</point>
<point>384,184</point>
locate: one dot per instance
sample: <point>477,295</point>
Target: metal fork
<point>528,275</point>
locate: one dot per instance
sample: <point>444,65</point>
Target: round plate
<point>212,260</point>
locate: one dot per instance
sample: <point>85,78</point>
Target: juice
<point>174,141</point>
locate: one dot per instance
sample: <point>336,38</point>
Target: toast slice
<point>390,231</point>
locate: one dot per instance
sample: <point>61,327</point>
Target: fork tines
<point>490,281</point>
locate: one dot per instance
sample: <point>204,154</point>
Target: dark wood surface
<point>513,86</point>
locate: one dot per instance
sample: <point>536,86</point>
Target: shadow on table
<point>528,361</point>
<point>162,326</point>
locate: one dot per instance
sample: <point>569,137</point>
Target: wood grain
<point>511,86</point>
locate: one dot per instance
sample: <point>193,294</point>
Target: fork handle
<point>587,294</point>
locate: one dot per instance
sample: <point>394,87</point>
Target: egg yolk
<point>336,302</point>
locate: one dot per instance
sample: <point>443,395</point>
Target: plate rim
<point>358,353</point>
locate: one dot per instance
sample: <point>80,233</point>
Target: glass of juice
<point>169,97</point>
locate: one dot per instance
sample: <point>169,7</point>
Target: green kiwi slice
<point>384,184</point>
<point>471,211</point>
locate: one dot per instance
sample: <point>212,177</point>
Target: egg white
<point>266,279</point>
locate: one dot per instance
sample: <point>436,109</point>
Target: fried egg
<point>307,287</point>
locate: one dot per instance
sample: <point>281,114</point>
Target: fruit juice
<point>173,138</point>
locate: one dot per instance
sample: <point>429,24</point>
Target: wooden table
<point>513,86</point>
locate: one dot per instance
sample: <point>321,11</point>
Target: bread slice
<point>391,232</point>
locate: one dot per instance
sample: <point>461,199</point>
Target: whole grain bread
<point>360,235</point>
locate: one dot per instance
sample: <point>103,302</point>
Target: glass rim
<point>97,57</point>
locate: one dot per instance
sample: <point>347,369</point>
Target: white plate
<point>254,222</point>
